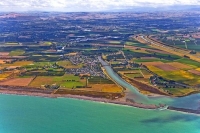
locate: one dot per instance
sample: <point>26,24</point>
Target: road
<point>169,49</point>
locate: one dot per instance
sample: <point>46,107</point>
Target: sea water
<point>27,114</point>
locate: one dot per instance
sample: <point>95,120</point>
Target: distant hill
<point>154,9</point>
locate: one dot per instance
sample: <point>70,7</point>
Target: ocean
<point>28,114</point>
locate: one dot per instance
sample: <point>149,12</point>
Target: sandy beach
<point>42,93</point>
<point>119,101</point>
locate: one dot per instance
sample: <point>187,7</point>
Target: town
<point>60,51</point>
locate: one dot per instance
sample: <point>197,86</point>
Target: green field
<point>66,81</point>
<point>137,44</point>
<point>134,75</point>
<point>150,60</point>
<point>38,65</point>
<point>43,69</point>
<point>68,64</point>
<point>16,52</point>
<point>178,76</point>
<point>99,80</point>
<point>189,62</point>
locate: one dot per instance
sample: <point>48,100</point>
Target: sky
<point>87,5</point>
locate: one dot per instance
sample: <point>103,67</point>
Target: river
<point>191,101</point>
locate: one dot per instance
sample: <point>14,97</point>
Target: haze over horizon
<point>89,5</point>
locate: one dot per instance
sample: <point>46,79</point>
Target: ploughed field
<point>17,81</point>
<point>176,71</point>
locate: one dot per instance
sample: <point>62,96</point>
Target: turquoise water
<point>26,114</point>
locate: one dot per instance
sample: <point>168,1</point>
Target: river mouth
<point>191,101</point>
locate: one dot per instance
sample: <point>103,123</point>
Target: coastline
<point>121,101</point>
<point>81,97</point>
<point>51,94</point>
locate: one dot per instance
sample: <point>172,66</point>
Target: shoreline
<point>121,101</point>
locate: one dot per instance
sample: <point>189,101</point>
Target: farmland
<point>180,65</point>
<point>149,60</point>
<point>5,75</point>
<point>16,52</point>
<point>166,67</point>
<point>181,76</point>
<point>189,41</point>
<point>196,72</point>
<point>17,81</point>
<point>111,88</point>
<point>50,71</point>
<point>68,64</point>
<point>19,63</point>
<point>66,81</point>
<point>99,80</point>
<point>2,61</point>
<point>189,62</point>
<point>61,55</point>
<point>155,67</point>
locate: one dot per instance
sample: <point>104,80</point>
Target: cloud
<point>87,5</point>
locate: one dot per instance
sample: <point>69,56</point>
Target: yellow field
<point>22,63</point>
<point>5,75</point>
<point>198,69</point>
<point>47,43</point>
<point>16,52</point>
<point>19,63</point>
<point>154,69</point>
<point>183,74</point>
<point>113,88</point>
<point>179,75</point>
<point>71,54</point>
<point>115,42</point>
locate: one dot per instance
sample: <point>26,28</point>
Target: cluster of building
<point>90,65</point>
